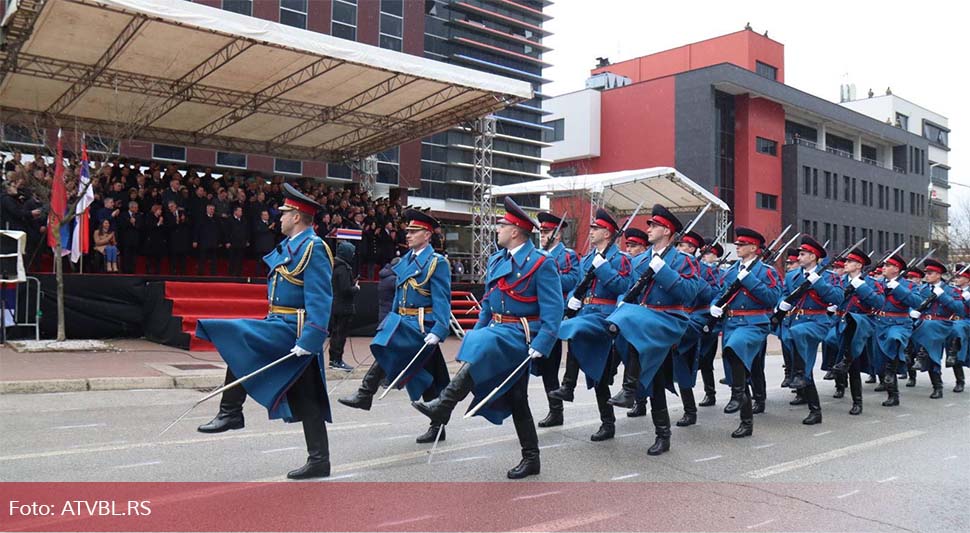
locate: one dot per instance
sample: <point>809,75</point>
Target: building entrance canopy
<point>188,74</point>
<point>622,191</point>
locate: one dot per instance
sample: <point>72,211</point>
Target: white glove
<point>812,277</point>
<point>892,284</point>
<point>535,354</point>
<point>937,290</point>
<point>598,260</point>
<point>743,273</point>
<point>717,312</point>
<point>857,282</point>
<point>431,339</point>
<point>966,294</point>
<point>784,306</point>
<point>619,302</point>
<point>914,314</point>
<point>656,263</point>
<point>574,304</point>
<point>300,352</point>
<point>832,308</point>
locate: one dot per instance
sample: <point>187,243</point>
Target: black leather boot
<point>892,385</point>
<point>798,382</point>
<point>786,366</point>
<point>829,376</point>
<point>525,429</point>
<point>734,405</point>
<point>840,382</point>
<point>690,408</point>
<point>747,420</point>
<point>937,381</point>
<point>921,362</point>
<point>318,451</point>
<point>871,378</point>
<point>364,397</point>
<point>430,435</point>
<point>224,421</point>
<point>439,410</point>
<point>639,409</point>
<point>799,398</point>
<point>958,375</point>
<point>661,425</point>
<point>855,389</point>
<point>554,418</point>
<point>845,361</point>
<point>952,348</point>
<point>627,395</point>
<point>814,407</point>
<point>607,418</point>
<point>881,387</point>
<point>709,398</point>
<point>565,392</point>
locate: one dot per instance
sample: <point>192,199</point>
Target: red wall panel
<point>637,127</point>
<point>755,172</point>
<point>267,10</point>
<point>368,17</point>
<point>319,15</point>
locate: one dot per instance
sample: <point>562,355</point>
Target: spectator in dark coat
<point>207,239</point>
<point>264,239</point>
<point>156,244</point>
<point>179,238</point>
<point>345,289</point>
<point>237,240</point>
<point>130,226</point>
<point>386,288</point>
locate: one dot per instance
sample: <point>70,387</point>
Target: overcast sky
<point>919,49</point>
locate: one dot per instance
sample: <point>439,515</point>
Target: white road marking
<point>405,521</point>
<point>877,421</point>
<point>631,434</point>
<point>343,476</point>
<point>397,437</point>
<point>136,465</point>
<point>547,446</point>
<point>711,458</point>
<point>534,496</point>
<point>847,494</point>
<point>275,450</point>
<point>627,476</point>
<point>464,459</point>
<point>759,524</point>
<point>75,446</point>
<point>763,446</point>
<point>950,457</point>
<point>904,415</point>
<point>949,405</point>
<point>828,456</point>
<point>822,433</point>
<point>80,426</point>
<point>571,522</point>
<point>888,479</point>
<point>469,430</point>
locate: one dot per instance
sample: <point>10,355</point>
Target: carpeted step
<point>187,289</point>
<point>219,307</point>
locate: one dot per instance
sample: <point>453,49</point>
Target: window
<point>766,146</point>
<point>814,182</point>
<point>101,144</point>
<point>22,135</point>
<point>807,227</point>
<point>767,201</point>
<point>912,203</point>
<point>935,134</point>
<point>828,184</point>
<point>766,71</point>
<point>865,192</point>
<point>344,23</point>
<point>287,166</point>
<point>243,7</point>
<point>902,121</point>
<point>171,153</point>
<point>230,159</point>
<point>828,232</point>
<point>293,13</point>
<point>392,25</point>
<point>807,178</point>
<point>846,185</point>
<point>558,131</point>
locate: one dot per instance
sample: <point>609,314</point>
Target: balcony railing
<point>842,153</point>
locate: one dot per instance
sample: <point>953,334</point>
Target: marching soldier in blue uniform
<point>958,343</point>
<point>791,263</point>
<point>567,263</point>
<point>807,321</point>
<point>912,350</point>
<point>688,353</point>
<point>631,394</point>
<point>420,315</point>
<point>521,312</point>
<point>934,325</point>
<point>590,346</point>
<point>654,324</point>
<point>829,350</point>
<point>300,294</point>
<point>893,326</point>
<point>853,333</point>
<point>714,277</point>
<point>747,320</point>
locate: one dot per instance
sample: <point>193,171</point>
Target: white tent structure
<point>188,74</point>
<point>622,191</point>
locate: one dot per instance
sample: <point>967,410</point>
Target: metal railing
<point>24,314</point>
<point>843,153</point>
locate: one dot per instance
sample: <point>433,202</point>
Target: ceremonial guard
<point>521,312</point>
<point>752,290</point>
<point>654,320</point>
<point>934,322</point>
<point>958,343</point>
<point>853,334</point>
<point>807,321</point>
<point>590,346</point>
<point>567,263</point>
<point>791,263</point>
<point>631,394</point>
<point>711,273</point>
<point>300,294</point>
<point>687,354</point>
<point>893,326</point>
<point>418,321</point>
<point>916,275</point>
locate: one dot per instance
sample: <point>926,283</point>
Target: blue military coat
<point>300,272</point>
<point>857,309</point>
<point>657,322</point>
<point>695,341</point>
<point>567,263</point>
<point>423,282</point>
<point>893,324</point>
<point>590,342</point>
<point>961,329</point>
<point>747,315</point>
<point>527,285</point>
<point>807,323</point>
<point>934,326</point>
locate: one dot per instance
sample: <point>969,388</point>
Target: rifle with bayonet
<point>777,253</point>
<point>925,304</point>
<point>807,285</point>
<point>850,289</point>
<point>707,247</point>
<point>584,284</point>
<point>552,238</point>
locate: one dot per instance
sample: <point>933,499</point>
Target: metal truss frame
<point>483,204</point>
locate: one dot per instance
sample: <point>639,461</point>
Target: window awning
<point>181,73</point>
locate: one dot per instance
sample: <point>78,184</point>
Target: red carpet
<point>192,301</point>
<point>465,308</point>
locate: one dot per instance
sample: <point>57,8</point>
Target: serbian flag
<point>349,234</point>
<point>58,203</point>
<point>80,241</point>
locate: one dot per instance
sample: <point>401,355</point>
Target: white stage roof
<point>622,191</point>
<point>193,75</point>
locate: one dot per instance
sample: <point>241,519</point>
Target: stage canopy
<point>622,191</point>
<point>188,74</point>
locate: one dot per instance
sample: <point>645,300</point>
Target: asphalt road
<point>890,469</point>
